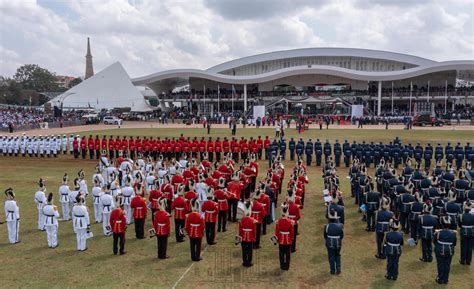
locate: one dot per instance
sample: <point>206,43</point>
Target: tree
<point>34,77</point>
<point>75,82</point>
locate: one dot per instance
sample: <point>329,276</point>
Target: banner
<point>357,110</point>
<point>258,111</point>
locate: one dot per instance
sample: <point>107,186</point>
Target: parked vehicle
<point>112,120</point>
<point>426,119</point>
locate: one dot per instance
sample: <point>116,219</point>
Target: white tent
<point>110,88</point>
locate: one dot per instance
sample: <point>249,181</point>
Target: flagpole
<point>392,97</point>
<point>446,97</point>
<point>218,99</point>
<point>411,90</point>
<point>232,99</point>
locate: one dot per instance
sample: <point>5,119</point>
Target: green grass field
<point>30,264</point>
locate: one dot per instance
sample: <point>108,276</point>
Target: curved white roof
<point>328,51</point>
<point>301,70</point>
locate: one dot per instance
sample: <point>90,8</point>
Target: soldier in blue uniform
<point>377,154</point>
<point>415,213</point>
<point>346,148</point>
<point>427,224</point>
<point>327,150</point>
<point>405,202</point>
<point>292,147</point>
<point>397,156</point>
<point>393,243</point>
<point>405,154</point>
<point>469,151</point>
<point>427,156</point>
<point>309,152</point>
<point>300,148</point>
<point>338,208</point>
<point>445,242</point>
<point>452,209</point>
<point>418,153</point>
<point>282,147</point>
<point>382,219</point>
<point>466,224</point>
<point>368,156</point>
<point>447,179</point>
<point>461,186</point>
<point>372,203</point>
<point>333,234</point>
<point>337,153</point>
<point>459,156</point>
<point>439,155</point>
<point>318,149</point>
<point>449,153</point>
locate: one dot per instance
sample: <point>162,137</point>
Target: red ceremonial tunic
<point>210,209</point>
<point>138,205</point>
<point>284,231</point>
<point>118,223</point>
<point>221,197</point>
<point>180,207</point>
<point>155,195</point>
<point>235,189</point>
<point>161,223</point>
<point>248,229</point>
<point>194,225</point>
<point>258,211</point>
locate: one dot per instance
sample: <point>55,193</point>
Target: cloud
<point>148,36</point>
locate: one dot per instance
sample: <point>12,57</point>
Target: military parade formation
<point>203,184</point>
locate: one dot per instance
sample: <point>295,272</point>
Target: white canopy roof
<point>110,88</point>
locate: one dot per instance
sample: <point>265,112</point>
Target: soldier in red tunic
<point>180,207</point>
<point>235,188</point>
<point>195,228</point>
<point>153,198</point>
<point>210,210</point>
<point>258,212</point>
<point>259,144</point>
<point>83,147</point>
<point>218,149</point>
<point>118,225</point>
<point>97,147</point>
<point>139,207</point>
<point>90,146</point>
<point>247,234</point>
<point>222,196</point>
<point>161,224</point>
<point>284,233</point>
<point>264,199</point>
<point>210,149</point>
<point>294,214</point>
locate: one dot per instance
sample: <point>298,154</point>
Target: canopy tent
<point>108,89</point>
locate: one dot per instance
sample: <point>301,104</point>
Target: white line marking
<point>187,270</point>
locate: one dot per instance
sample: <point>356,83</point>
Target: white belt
<point>179,209</point>
<point>334,237</point>
<point>393,245</point>
<point>292,216</point>
<point>383,223</point>
<point>221,200</point>
<point>210,212</point>
<point>118,222</point>
<point>247,230</point>
<point>195,225</point>
<point>285,233</point>
<point>452,214</point>
<point>467,227</point>
<point>256,212</point>
<point>161,225</point>
<point>445,243</point>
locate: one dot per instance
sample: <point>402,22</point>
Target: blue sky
<point>148,36</point>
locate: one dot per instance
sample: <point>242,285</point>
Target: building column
<point>245,98</point>
<point>379,99</point>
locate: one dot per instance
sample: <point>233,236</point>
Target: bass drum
<point>240,210</point>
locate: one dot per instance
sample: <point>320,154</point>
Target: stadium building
<point>312,78</point>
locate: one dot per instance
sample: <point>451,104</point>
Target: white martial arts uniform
<point>51,224</point>
<point>150,183</point>
<point>96,193</point>
<point>83,188</point>
<point>12,217</point>
<point>65,202</point>
<point>128,193</point>
<point>80,221</point>
<point>107,204</point>
<point>40,200</point>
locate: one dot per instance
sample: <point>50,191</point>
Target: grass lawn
<point>31,264</point>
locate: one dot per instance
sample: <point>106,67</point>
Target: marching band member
<point>180,207</point>
<point>96,194</point>
<point>258,212</point>
<point>222,196</point>
<point>12,217</point>
<point>138,204</point>
<point>128,193</point>
<point>444,241</point>
<point>284,234</point>
<point>118,225</point>
<point>294,214</point>
<point>64,197</point>
<point>161,224</point>
<point>40,200</point>
<point>393,243</point>
<point>107,204</point>
<point>210,210</point>
<point>194,226</point>
<point>80,221</point>
<point>98,176</point>
<point>51,216</point>
<point>235,188</point>
<point>247,234</point>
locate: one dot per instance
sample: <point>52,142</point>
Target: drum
<point>240,210</point>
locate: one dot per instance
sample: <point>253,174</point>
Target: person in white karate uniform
<point>40,200</point>
<point>70,141</point>
<point>73,194</point>
<point>83,184</point>
<point>64,198</point>
<point>51,224</point>
<point>96,194</point>
<point>128,193</point>
<point>12,217</point>
<point>98,176</point>
<point>150,180</point>
<point>64,143</point>
<point>107,204</point>
<point>81,223</point>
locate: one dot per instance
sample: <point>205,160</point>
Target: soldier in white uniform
<point>12,217</point>
<point>29,147</point>
<point>96,194</point>
<point>41,146</point>
<point>128,193</point>
<point>64,198</point>
<point>80,221</point>
<point>23,144</point>
<point>71,147</point>
<point>51,224</point>
<point>16,145</point>
<point>53,145</point>
<point>1,144</point>
<point>10,146</point>
<point>35,146</point>
<point>64,144</point>
<point>47,148</point>
<point>40,200</point>
<point>107,204</point>
<point>83,183</point>
<point>58,144</point>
